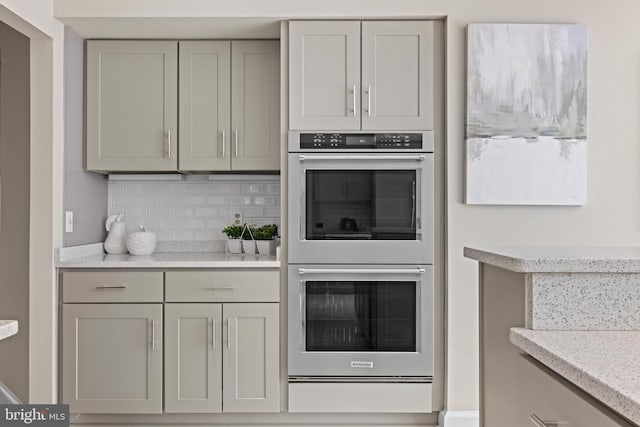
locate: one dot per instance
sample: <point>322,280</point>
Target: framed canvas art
<point>526,130</point>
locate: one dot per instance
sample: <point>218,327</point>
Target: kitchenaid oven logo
<point>34,415</point>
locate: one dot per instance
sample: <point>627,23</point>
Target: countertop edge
<point>592,385</point>
<point>167,264</point>
<point>559,259</point>
<point>499,260</point>
<point>8,328</point>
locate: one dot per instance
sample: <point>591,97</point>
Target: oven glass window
<point>360,316</point>
<point>361,205</point>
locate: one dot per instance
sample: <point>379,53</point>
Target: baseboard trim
<point>459,419</point>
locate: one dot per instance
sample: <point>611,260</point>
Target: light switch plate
<point>68,222</point>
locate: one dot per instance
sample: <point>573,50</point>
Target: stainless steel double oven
<point>360,245</point>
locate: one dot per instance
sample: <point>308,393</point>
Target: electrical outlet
<point>237,218</point>
<point>68,221</point>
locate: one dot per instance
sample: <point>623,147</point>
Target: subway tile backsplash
<point>196,208</point>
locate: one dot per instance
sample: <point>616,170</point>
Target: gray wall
<point>14,206</point>
<point>85,193</point>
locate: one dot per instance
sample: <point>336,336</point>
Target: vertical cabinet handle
<point>235,132</point>
<point>369,100</point>
<point>539,423</point>
<point>169,142</point>
<point>213,334</point>
<point>228,334</point>
<point>354,101</point>
<point>153,335</point>
<point>224,141</point>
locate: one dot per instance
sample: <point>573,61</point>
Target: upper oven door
<point>365,208</point>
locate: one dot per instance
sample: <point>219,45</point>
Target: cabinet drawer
<point>112,286</point>
<point>222,286</point>
<point>556,401</point>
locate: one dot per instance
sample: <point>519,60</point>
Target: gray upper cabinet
<point>132,100</point>
<point>112,358</point>
<point>324,75</point>
<point>229,105</point>
<point>205,99</point>
<point>397,75</point>
<point>255,105</point>
<point>336,86</point>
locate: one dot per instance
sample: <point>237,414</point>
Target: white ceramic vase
<point>141,242</point>
<point>115,242</point>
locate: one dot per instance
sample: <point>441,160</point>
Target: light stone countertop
<point>171,260</point>
<point>555,259</point>
<point>605,364</point>
<point>8,328</point>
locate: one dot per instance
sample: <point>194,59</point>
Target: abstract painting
<point>526,133</point>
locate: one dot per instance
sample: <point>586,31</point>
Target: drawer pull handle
<point>539,423</point>
<point>111,287</point>
<point>221,287</point>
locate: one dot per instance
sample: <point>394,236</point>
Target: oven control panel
<point>369,141</point>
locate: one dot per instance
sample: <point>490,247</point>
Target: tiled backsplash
<point>196,208</point>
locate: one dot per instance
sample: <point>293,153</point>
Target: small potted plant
<point>233,233</point>
<point>264,236</point>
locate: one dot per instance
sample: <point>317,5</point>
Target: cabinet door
<point>251,358</point>
<point>193,358</point>
<point>397,75</point>
<point>132,101</point>
<point>205,103</point>
<point>255,117</point>
<point>112,358</point>
<point>324,75</point>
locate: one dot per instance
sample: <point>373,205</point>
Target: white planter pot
<point>266,247</point>
<point>234,246</point>
<point>249,247</point>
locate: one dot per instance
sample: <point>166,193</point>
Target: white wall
<point>85,193</point>
<point>612,213</point>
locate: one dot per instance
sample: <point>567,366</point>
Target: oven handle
<point>418,270</point>
<point>416,158</point>
<point>302,316</point>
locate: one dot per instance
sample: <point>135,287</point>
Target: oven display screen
<point>353,140</point>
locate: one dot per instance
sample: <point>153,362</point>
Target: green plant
<point>265,232</point>
<point>233,231</point>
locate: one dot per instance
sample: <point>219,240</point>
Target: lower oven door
<point>355,321</point>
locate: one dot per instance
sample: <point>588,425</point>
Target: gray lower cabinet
<point>112,358</point>
<point>211,345</point>
<point>132,105</point>
<point>193,358</point>
<point>543,396</point>
<point>369,75</point>
<point>251,358</point>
